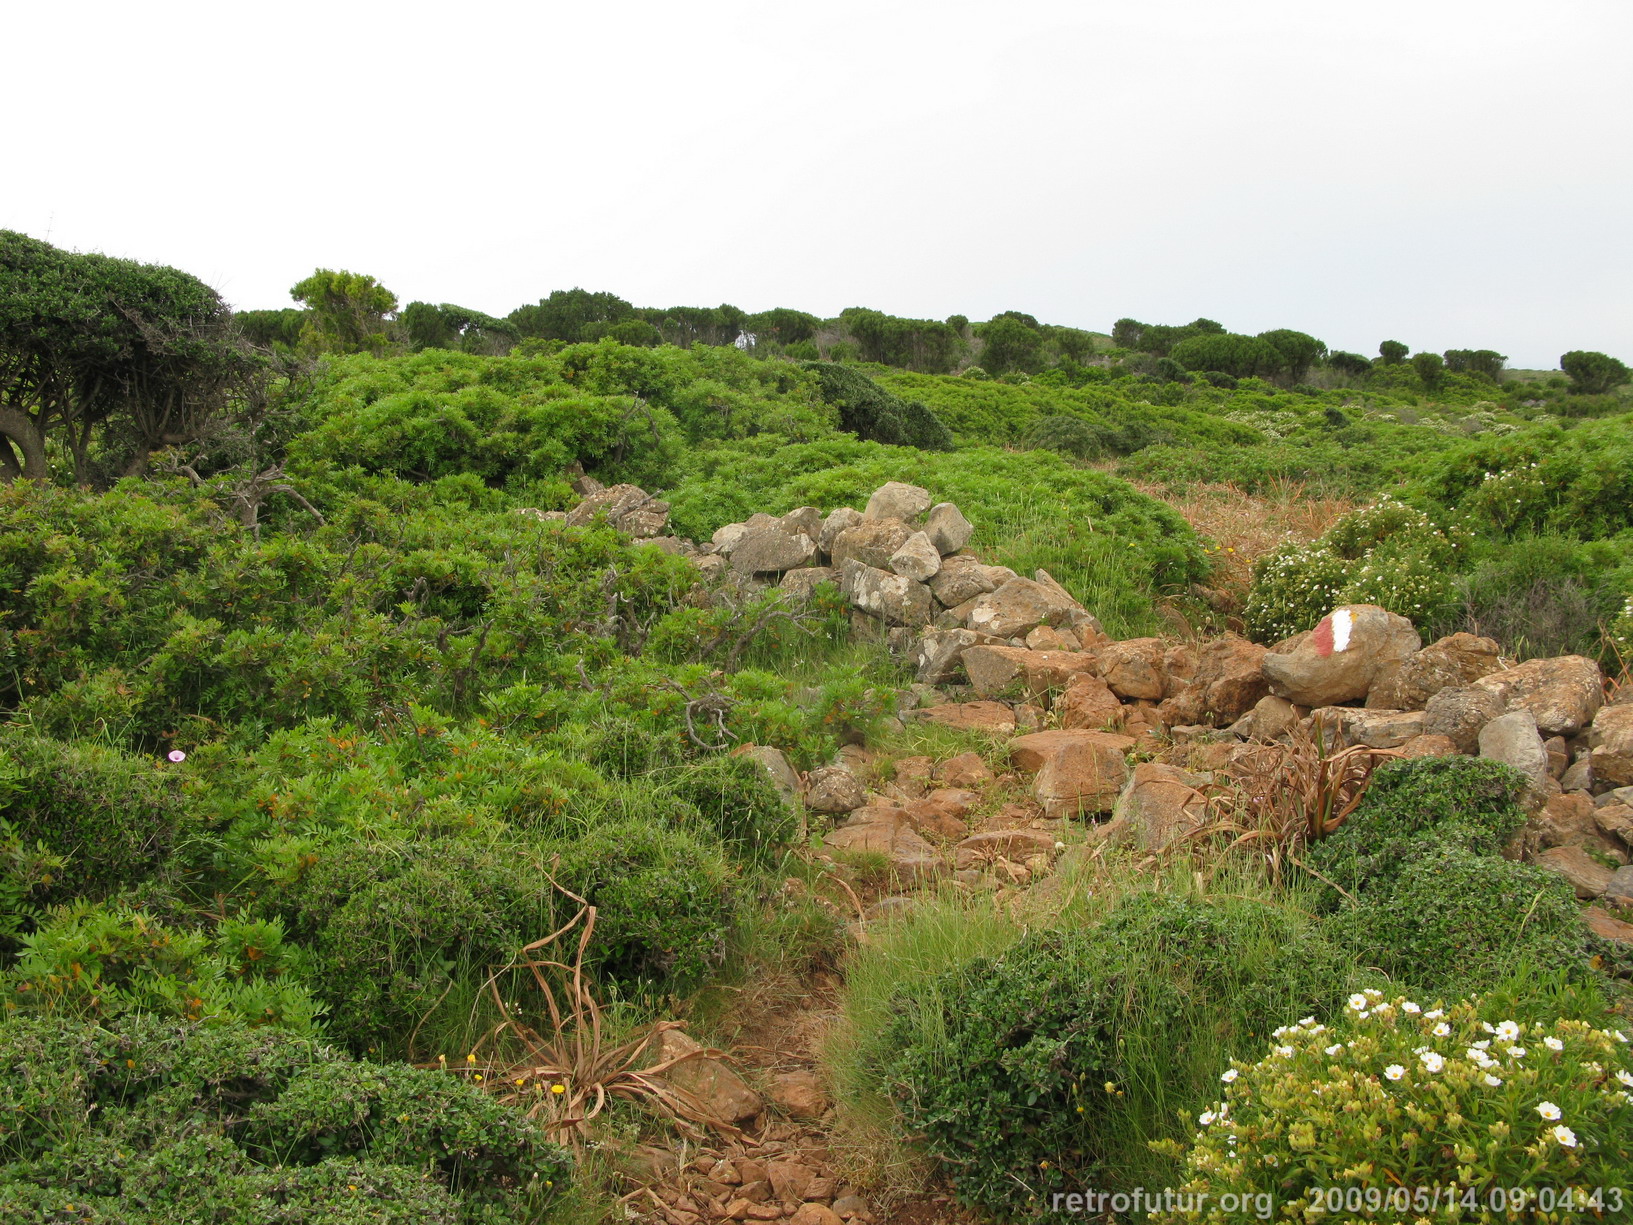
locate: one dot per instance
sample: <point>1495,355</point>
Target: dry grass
<point>1242,527</point>
<point>1281,797</point>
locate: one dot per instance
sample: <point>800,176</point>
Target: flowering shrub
<point>1621,632</point>
<point>1395,1096</point>
<point>1388,554</point>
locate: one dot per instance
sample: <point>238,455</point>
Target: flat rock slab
<point>1032,751</point>
<point>992,717</point>
<point>1564,694</point>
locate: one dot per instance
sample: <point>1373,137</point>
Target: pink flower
<point>176,755</point>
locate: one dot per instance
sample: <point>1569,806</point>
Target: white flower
<point>1432,1062</point>
<point>1517,1052</point>
<point>1620,1036</point>
<point>1280,1031</point>
<point>1434,1014</point>
<point>1286,1052</point>
<point>1206,1118</point>
<point>1338,1046</point>
<point>1487,1026</point>
<point>1372,993</point>
<point>1553,1044</point>
<point>1626,1078</point>
<point>1358,1001</point>
<point>1409,1006</point>
<point>1549,1111</point>
<point>1565,1136</point>
<point>1229,1075</point>
<point>1493,1081</point>
<point>1508,1031</point>
<point>1483,1044</point>
<point>1441,1030</point>
<point>1394,1071</point>
<point>1306,1022</point>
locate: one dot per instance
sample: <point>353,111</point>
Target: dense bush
<point>874,415</point>
<point>1419,806</point>
<point>108,961</point>
<point>1399,1105</point>
<point>1048,1069</point>
<point>111,817</point>
<point>1452,921</point>
<point>1388,554</point>
<point>151,1121</point>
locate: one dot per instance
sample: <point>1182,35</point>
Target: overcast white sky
<point>1448,173</point>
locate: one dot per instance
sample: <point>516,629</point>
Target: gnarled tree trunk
<point>26,437</point>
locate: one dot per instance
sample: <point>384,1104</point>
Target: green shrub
<point>1415,807</point>
<point>874,414</point>
<point>150,1121</point>
<point>1069,435</point>
<point>1049,1068</point>
<point>106,961</point>
<point>1388,554</point>
<point>1453,920</point>
<point>738,805</point>
<point>666,900</point>
<point>392,925</point>
<point>1394,1104</point>
<point>112,817</point>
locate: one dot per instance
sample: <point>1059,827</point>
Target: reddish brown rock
<point>965,770</point>
<point>834,789</point>
<point>1134,669</point>
<point>1047,638</point>
<point>956,800</point>
<point>1161,803</point>
<point>1564,694</point>
<point>812,1213</point>
<point>1088,702</point>
<point>1612,745</point>
<point>1227,681</point>
<point>721,1090</point>
<point>1341,657</point>
<point>1020,606</point>
<point>800,1096</point>
<point>961,579</point>
<point>1029,753</point>
<point>994,669</point>
<point>1587,875</point>
<point>888,832</point>
<point>1081,776</point>
<point>1017,844</point>
<point>1601,923</point>
<point>992,717</point>
<point>935,820</point>
<point>1446,663</point>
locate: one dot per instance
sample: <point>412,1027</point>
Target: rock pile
<point>1021,657</point>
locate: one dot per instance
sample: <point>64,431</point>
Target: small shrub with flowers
<point>1395,1095</point>
<point>1388,554</point>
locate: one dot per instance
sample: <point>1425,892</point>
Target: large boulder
<point>873,542</point>
<point>961,578</point>
<point>1612,745</point>
<point>800,582</point>
<point>834,789</point>
<point>1460,659</point>
<point>836,522</point>
<point>1227,682</point>
<point>1161,803</point>
<point>947,528</point>
<point>1020,606</point>
<point>889,597</point>
<point>626,507</point>
<point>1564,694</point>
<point>1378,729</point>
<point>704,1074</point>
<point>993,718</point>
<point>1513,740</point>
<point>1587,876</point>
<point>771,550</point>
<point>1082,776</point>
<point>896,500</point>
<point>888,832</point>
<point>916,559</point>
<point>993,669</point>
<point>1087,702</point>
<point>1340,658</point>
<point>1459,713</point>
<point>804,521</point>
<point>1134,668</point>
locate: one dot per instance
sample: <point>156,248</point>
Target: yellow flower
<point>558,1088</point>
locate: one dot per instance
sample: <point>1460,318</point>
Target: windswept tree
<point>1485,362</point>
<point>1430,368</point>
<point>1009,345</point>
<point>85,339</point>
<point>1592,374</point>
<point>1351,364</point>
<point>1298,350</point>
<point>1392,352</point>
<point>1230,353</point>
<point>348,312</point>
<point>569,314</point>
<point>456,327</point>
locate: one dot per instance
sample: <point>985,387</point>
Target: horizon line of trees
<point>150,355</point>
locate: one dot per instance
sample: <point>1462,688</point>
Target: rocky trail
<point>1084,743</point>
